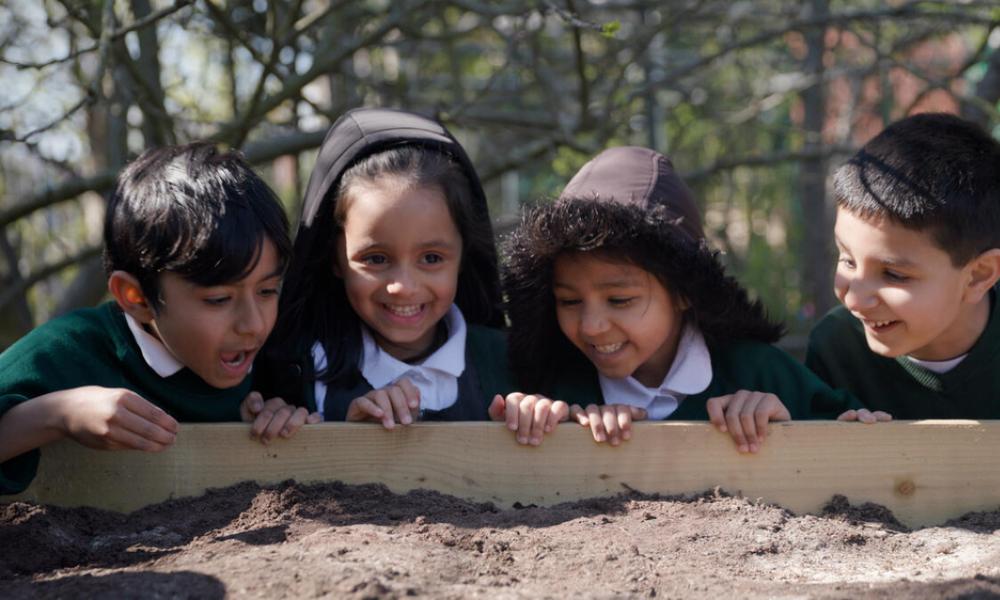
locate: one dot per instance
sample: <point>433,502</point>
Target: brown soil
<point>346,541</point>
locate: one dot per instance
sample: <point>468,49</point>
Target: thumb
<point>638,414</point>
<point>314,418</point>
<point>497,408</point>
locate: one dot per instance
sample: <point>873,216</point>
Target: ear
<point>128,294</point>
<point>983,273</point>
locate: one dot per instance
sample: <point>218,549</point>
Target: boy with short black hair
<point>918,231</point>
<point>195,249</point>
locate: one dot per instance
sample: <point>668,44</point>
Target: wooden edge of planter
<point>924,471</point>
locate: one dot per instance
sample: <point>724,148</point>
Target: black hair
<point>934,172</point>
<point>647,237</point>
<point>314,304</point>
<point>193,211</point>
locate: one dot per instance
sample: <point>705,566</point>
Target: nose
<point>593,322</point>
<point>251,320</point>
<point>401,282</point>
<point>856,293</point>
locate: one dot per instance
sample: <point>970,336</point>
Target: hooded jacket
<point>306,313</point>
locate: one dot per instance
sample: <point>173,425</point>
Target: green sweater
<point>839,354</point>
<point>94,346</point>
<point>738,365</point>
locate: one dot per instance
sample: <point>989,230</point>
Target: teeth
<point>237,360</point>
<point>404,311</point>
<point>609,348</point>
<point>879,323</point>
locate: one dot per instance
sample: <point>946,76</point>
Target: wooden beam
<point>924,471</point>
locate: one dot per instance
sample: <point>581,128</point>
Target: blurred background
<point>756,102</point>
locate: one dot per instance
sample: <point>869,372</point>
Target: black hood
<point>308,311</point>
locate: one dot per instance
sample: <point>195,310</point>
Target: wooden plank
<point>924,471</point>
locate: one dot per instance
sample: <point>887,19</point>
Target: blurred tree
<point>754,100</point>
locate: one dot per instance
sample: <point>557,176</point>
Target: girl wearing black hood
<point>388,307</point>
<point>618,306</point>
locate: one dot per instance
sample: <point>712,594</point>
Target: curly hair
<point>647,237</point>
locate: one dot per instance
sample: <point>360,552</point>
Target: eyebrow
<point>428,244</point>
<point>604,285</point>
<point>892,262</point>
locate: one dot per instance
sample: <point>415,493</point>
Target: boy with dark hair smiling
<point>195,249</point>
<point>918,231</point>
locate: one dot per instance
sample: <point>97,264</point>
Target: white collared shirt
<point>436,377</point>
<point>938,366</point>
<point>156,355</point>
<point>690,373</point>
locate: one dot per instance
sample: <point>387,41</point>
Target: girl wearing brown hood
<point>389,305</point>
<point>618,307</point>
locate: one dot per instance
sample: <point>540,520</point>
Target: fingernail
<point>522,440</point>
<point>535,441</point>
<point>406,419</point>
<point>512,426</point>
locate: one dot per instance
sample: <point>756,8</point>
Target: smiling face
<point>619,315</point>
<point>905,290</point>
<point>399,255</point>
<point>216,331</point>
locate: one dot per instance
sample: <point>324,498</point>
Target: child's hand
<point>865,416</point>
<point>114,419</point>
<point>745,415</point>
<point>397,402</point>
<point>274,417</point>
<point>608,422</point>
<point>529,416</point>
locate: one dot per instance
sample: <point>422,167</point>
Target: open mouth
<point>879,325</point>
<point>404,310</point>
<point>235,360</point>
<point>608,348</point>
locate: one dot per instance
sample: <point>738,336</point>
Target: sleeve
<point>18,472</point>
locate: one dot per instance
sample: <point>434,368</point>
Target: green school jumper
<point>839,354</point>
<point>738,365</point>
<point>485,376</point>
<point>94,346</point>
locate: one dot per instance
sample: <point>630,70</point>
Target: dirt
<point>343,541</point>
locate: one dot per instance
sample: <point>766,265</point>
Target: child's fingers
<point>638,414</point>
<point>281,418</point>
<point>497,409</point>
<point>525,411</point>
<point>539,420</point>
<point>295,422</point>
<point>400,404</point>
<point>314,418</point>
<point>264,417</point>
<point>364,409</point>
<point>733,423</point>
<point>513,409</point>
<point>250,406</point>
<point>882,417</point>
<point>610,417</point>
<point>848,415</point>
<point>578,414</point>
<point>131,430</point>
<point>138,405</point>
<point>381,399</point>
<point>716,408</point>
<point>557,414</point>
<point>411,393</point>
<point>624,414</point>
<point>748,420</point>
<point>596,421</point>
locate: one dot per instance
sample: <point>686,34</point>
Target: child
<point>617,304</point>
<point>389,299</point>
<point>195,247</point>
<point>918,231</point>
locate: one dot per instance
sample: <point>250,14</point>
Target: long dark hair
<point>648,237</point>
<point>314,306</point>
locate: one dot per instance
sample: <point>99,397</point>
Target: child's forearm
<point>30,425</point>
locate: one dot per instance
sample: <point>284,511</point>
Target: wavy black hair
<point>647,237</point>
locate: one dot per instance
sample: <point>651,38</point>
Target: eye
<point>270,291</point>
<point>433,258</point>
<point>375,259</point>
<point>620,301</point>
<point>567,302</point>
<point>895,277</point>
<point>216,300</point>
<point>846,261</point>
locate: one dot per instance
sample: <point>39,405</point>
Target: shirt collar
<point>156,355</point>
<point>436,377</point>
<point>690,373</point>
